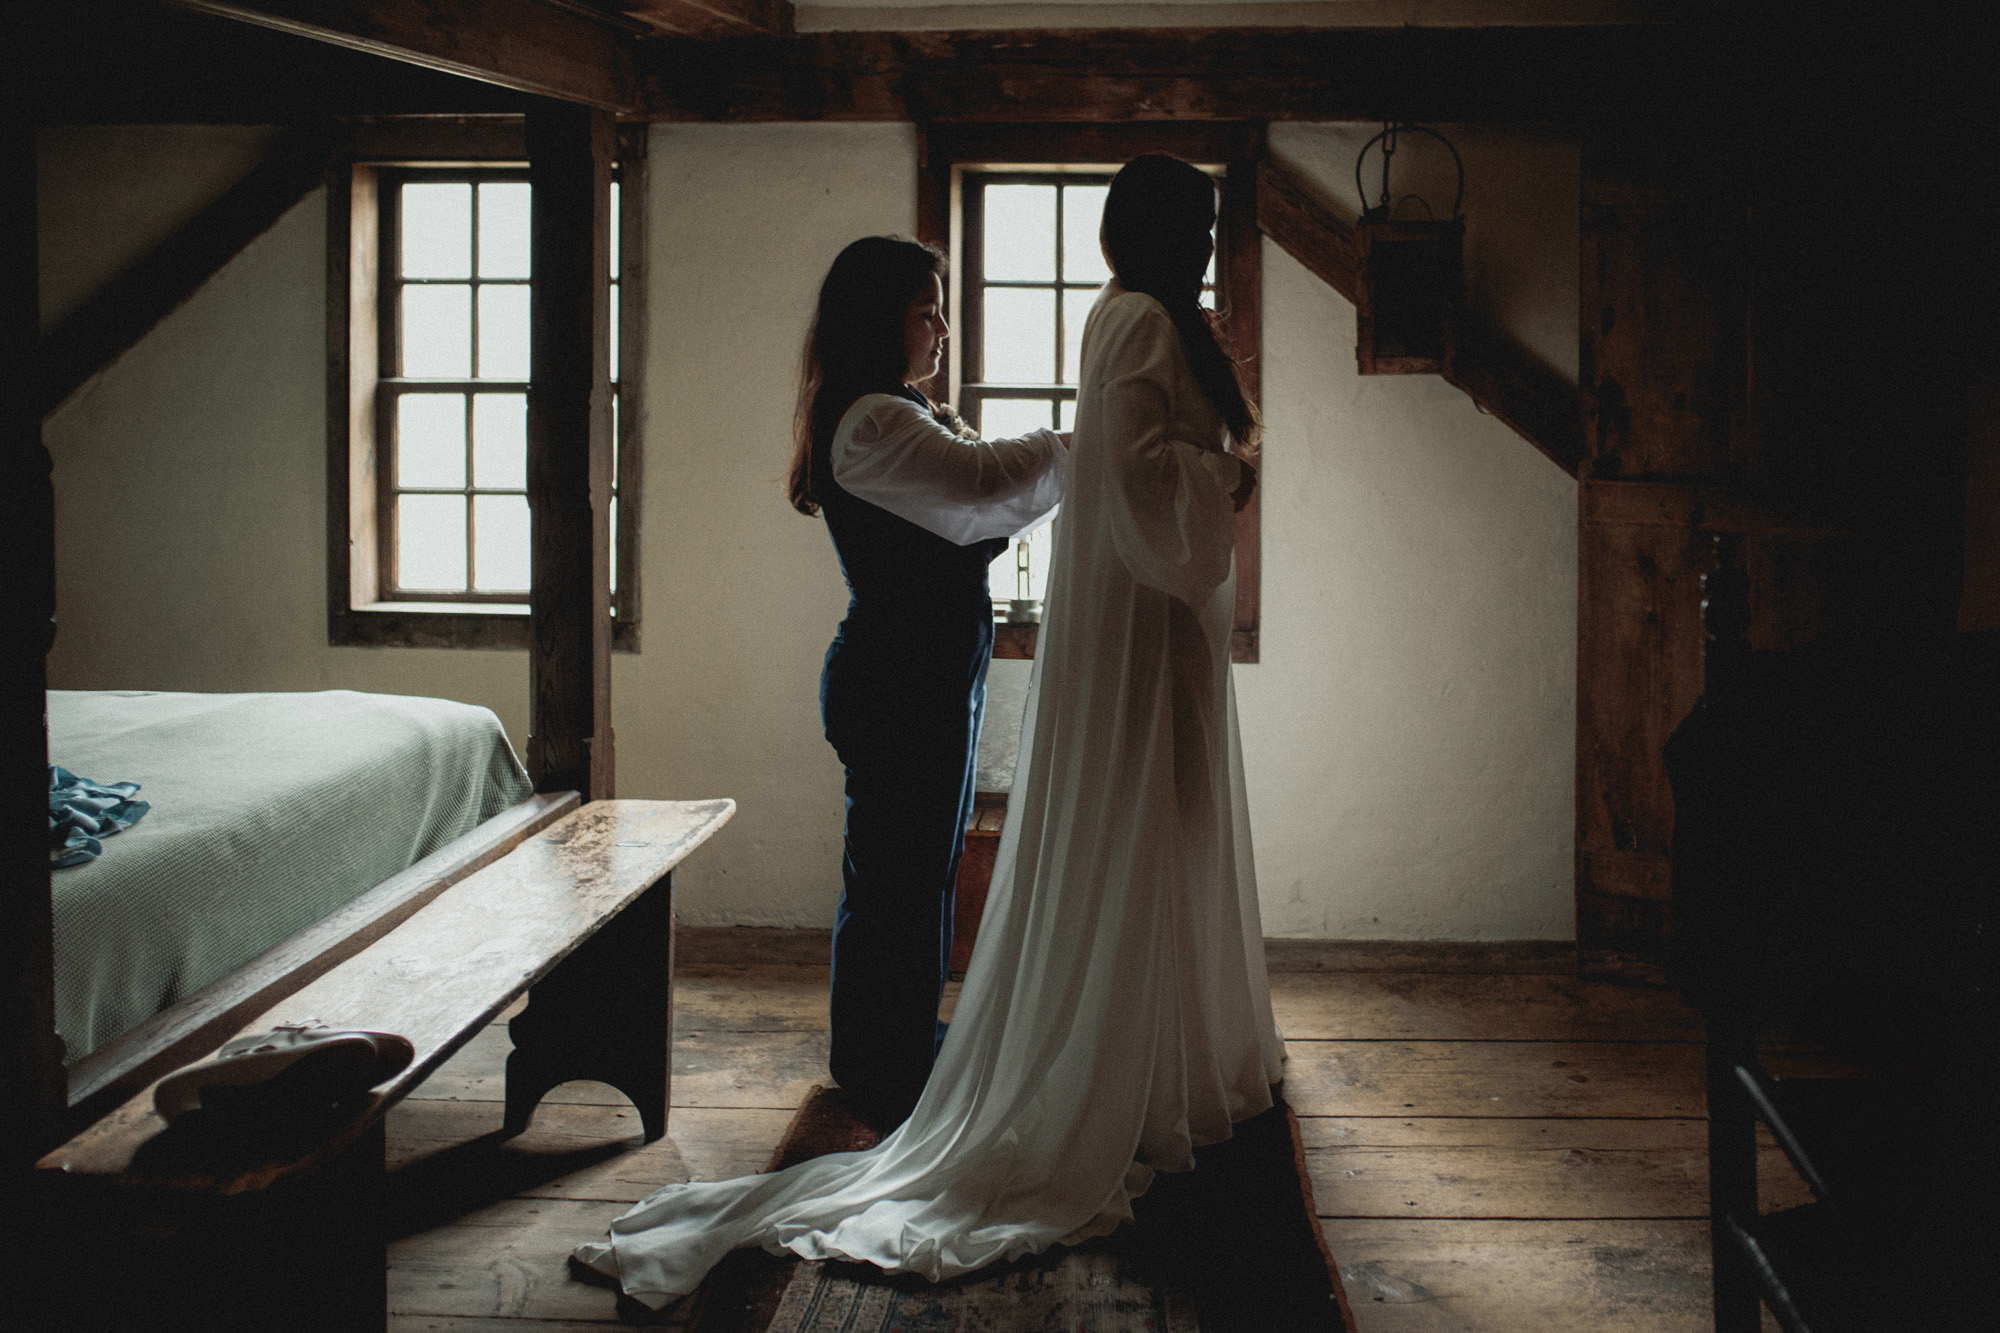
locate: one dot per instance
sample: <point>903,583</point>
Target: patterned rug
<point>1231,1247</point>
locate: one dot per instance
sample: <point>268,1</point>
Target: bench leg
<point>605,1013</point>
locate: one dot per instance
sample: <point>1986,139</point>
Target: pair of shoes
<point>293,1066</point>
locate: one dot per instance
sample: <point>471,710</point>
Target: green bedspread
<point>268,811</point>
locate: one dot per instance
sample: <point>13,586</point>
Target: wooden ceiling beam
<point>1517,75</point>
<point>525,45</point>
<point>712,18</point>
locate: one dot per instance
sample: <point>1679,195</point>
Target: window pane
<point>614,332</point>
<point>1006,418</point>
<point>1020,233</point>
<point>437,231</point>
<point>503,229</point>
<point>430,440</point>
<point>437,332</point>
<point>1066,415</point>
<point>503,333</point>
<point>1083,210</point>
<point>616,398</point>
<point>1003,576</point>
<point>500,441</point>
<point>500,538</point>
<point>430,542</point>
<point>614,230</point>
<point>1018,337</point>
<point>1076,310</point>
<point>614,544</point>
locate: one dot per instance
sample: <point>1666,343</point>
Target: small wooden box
<point>975,875</point>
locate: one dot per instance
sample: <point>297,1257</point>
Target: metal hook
<point>1391,130</point>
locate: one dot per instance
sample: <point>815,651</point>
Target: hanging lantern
<point>1412,270</point>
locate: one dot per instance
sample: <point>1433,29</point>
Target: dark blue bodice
<point>919,612</point>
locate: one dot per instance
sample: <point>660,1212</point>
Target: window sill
<point>502,625</point>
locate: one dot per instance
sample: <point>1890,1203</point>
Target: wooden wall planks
<point>1664,380</point>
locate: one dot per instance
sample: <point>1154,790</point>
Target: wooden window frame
<point>359,493</point>
<point>970,307</point>
<point>945,152</point>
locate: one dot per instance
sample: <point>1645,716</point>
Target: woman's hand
<point>1246,486</point>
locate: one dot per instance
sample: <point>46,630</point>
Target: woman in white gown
<point>1116,1013</point>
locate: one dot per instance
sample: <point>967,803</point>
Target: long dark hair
<point>854,345</point>
<point>1156,223</point>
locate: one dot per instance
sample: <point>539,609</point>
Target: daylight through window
<point>1032,270</point>
<point>453,412</point>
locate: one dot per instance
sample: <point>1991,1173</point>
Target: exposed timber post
<point>31,1077</point>
<point>569,451</point>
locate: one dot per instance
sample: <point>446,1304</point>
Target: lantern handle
<point>1389,131</point>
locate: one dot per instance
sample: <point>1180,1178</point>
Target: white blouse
<point>893,454</point>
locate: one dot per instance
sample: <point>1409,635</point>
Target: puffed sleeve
<point>1169,501</point>
<point>890,452</point>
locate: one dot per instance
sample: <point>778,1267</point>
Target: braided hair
<point>1157,220</point>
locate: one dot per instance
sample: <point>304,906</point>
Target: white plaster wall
<point>742,593</point>
<point>190,482</point>
<point>107,194</point>
<point>1407,734</point>
<point>1409,731</point>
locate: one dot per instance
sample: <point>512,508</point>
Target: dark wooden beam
<point>712,18</point>
<point>545,49</point>
<point>1309,233</point>
<point>1664,354</point>
<point>129,62</point>
<point>1488,366</point>
<point>1240,266</point>
<point>31,1072</point>
<point>1564,75</point>
<point>569,451</point>
<point>1509,384</point>
<point>104,327</point>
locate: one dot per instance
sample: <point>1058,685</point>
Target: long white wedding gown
<point>1116,1012</point>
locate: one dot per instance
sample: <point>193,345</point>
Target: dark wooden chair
<point>1836,853</point>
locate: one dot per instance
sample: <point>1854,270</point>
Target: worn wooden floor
<point>1490,1153</point>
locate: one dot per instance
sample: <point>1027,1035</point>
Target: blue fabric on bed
<point>82,812</point>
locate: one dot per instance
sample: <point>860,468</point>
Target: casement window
<point>434,525</point>
<point>1018,208</point>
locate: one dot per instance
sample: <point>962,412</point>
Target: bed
<point>268,812</point>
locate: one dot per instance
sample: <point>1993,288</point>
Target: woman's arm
<point>892,453</point>
<point>1171,503</point>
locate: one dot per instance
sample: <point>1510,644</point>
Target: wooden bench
<point>148,1224</point>
<point>188,1030</point>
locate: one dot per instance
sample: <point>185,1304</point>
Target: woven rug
<point>1231,1247</point>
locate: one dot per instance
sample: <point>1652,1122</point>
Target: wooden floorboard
<point>1376,1006</point>
<point>1540,1168</point>
<point>1603,1276</point>
<point>1593,1080</point>
<point>1510,1152</point>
